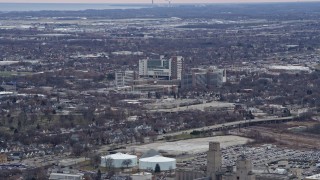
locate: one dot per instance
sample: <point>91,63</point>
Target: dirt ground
<point>191,146</point>
<point>295,140</point>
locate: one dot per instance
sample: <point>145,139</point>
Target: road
<point>230,125</point>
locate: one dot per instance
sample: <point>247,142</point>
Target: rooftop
<point>157,158</point>
<point>120,156</point>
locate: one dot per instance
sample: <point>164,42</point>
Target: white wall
<point>117,163</point>
<point>164,166</point>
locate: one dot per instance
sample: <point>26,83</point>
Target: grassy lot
<point>6,73</point>
<point>86,166</point>
<point>315,129</point>
<point>184,137</point>
<point>13,73</point>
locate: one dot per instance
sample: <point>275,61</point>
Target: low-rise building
<point>204,78</point>
<point>3,158</point>
<point>125,78</point>
<point>64,176</point>
<point>141,176</point>
<point>156,88</point>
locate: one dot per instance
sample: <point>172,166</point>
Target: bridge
<point>232,125</point>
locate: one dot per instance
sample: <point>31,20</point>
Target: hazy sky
<point>147,1</point>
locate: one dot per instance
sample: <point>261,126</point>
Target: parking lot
<point>265,158</point>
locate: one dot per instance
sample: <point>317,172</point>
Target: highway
<point>230,125</point>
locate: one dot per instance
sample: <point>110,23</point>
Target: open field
<point>191,145</point>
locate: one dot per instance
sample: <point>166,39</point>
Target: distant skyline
<point>149,1</point>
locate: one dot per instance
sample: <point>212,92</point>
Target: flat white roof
<point>120,156</point>
<point>141,174</point>
<point>66,175</point>
<point>157,158</point>
<point>5,93</point>
<point>290,67</point>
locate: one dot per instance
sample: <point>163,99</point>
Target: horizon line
<point>172,3</point>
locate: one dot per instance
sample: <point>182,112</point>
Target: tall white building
<point>162,68</point>
<point>124,78</point>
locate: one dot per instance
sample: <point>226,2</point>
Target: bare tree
<point>95,160</point>
<point>127,162</point>
<point>109,163</point>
